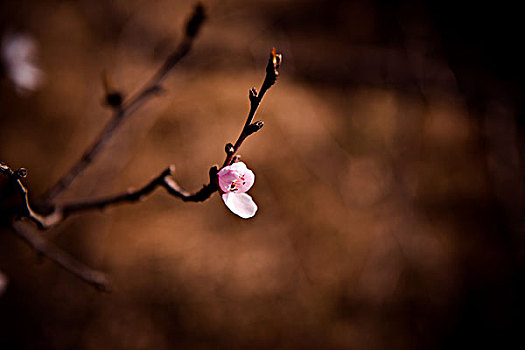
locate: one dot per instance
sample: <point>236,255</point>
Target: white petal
<point>26,76</point>
<point>19,55</point>
<point>249,179</point>
<point>239,166</point>
<point>240,203</point>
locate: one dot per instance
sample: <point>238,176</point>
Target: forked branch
<point>123,110</point>
<point>165,179</point>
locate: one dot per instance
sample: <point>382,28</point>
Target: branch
<point>61,212</point>
<point>122,111</point>
<point>63,259</point>
<point>272,72</point>
<point>164,179</point>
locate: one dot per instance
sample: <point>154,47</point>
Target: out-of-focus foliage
<point>390,198</point>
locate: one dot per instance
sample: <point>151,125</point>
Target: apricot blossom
<point>234,181</point>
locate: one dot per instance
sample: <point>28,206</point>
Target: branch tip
<point>276,58</point>
<point>195,22</point>
<point>272,69</point>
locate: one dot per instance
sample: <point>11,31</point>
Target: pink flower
<point>234,181</point>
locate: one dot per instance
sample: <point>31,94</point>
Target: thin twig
<point>128,107</point>
<point>62,211</point>
<point>272,72</point>
<point>59,256</point>
<point>164,179</point>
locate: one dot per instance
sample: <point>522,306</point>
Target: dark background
<point>389,177</point>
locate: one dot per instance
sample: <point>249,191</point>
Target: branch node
<point>114,99</point>
<point>213,173</point>
<point>5,169</point>
<point>253,128</point>
<point>21,173</point>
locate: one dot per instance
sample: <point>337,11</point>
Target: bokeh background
<point>389,177</point>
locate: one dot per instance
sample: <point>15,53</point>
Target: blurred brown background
<point>389,177</point>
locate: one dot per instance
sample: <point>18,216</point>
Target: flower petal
<point>236,178</point>
<point>239,166</point>
<point>226,178</point>
<point>240,203</point>
<point>247,183</point>
<point>19,53</point>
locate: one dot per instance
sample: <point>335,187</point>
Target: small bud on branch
<point>253,128</point>
<point>113,97</point>
<point>255,97</point>
<point>229,148</point>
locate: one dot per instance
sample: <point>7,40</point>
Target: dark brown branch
<point>272,72</point>
<point>63,259</point>
<point>61,212</point>
<point>131,105</point>
<point>165,180</point>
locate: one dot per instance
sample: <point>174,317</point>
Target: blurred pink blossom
<point>234,181</point>
<point>3,283</point>
<point>18,55</point>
